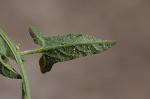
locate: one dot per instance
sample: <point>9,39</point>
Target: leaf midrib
<point>44,49</point>
<point>73,44</point>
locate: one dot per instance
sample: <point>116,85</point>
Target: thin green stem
<point>20,65</point>
<point>34,51</point>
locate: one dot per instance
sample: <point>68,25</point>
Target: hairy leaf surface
<point>67,47</point>
<point>36,35</point>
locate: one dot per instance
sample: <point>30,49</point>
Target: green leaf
<point>36,35</point>
<point>2,47</point>
<point>5,67</point>
<point>67,47</point>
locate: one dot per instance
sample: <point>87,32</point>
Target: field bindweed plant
<point>54,49</point>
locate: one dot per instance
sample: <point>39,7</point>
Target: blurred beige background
<point>122,72</point>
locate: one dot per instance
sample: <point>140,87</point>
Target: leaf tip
<point>19,76</point>
<point>31,28</point>
<point>36,35</point>
<point>114,42</point>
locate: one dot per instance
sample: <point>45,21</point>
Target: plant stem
<point>34,51</point>
<point>20,65</point>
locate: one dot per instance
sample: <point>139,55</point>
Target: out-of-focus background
<point>122,72</point>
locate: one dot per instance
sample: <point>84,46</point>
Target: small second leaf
<point>5,67</point>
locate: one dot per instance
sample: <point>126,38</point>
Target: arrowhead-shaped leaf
<point>5,67</point>
<point>67,47</point>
